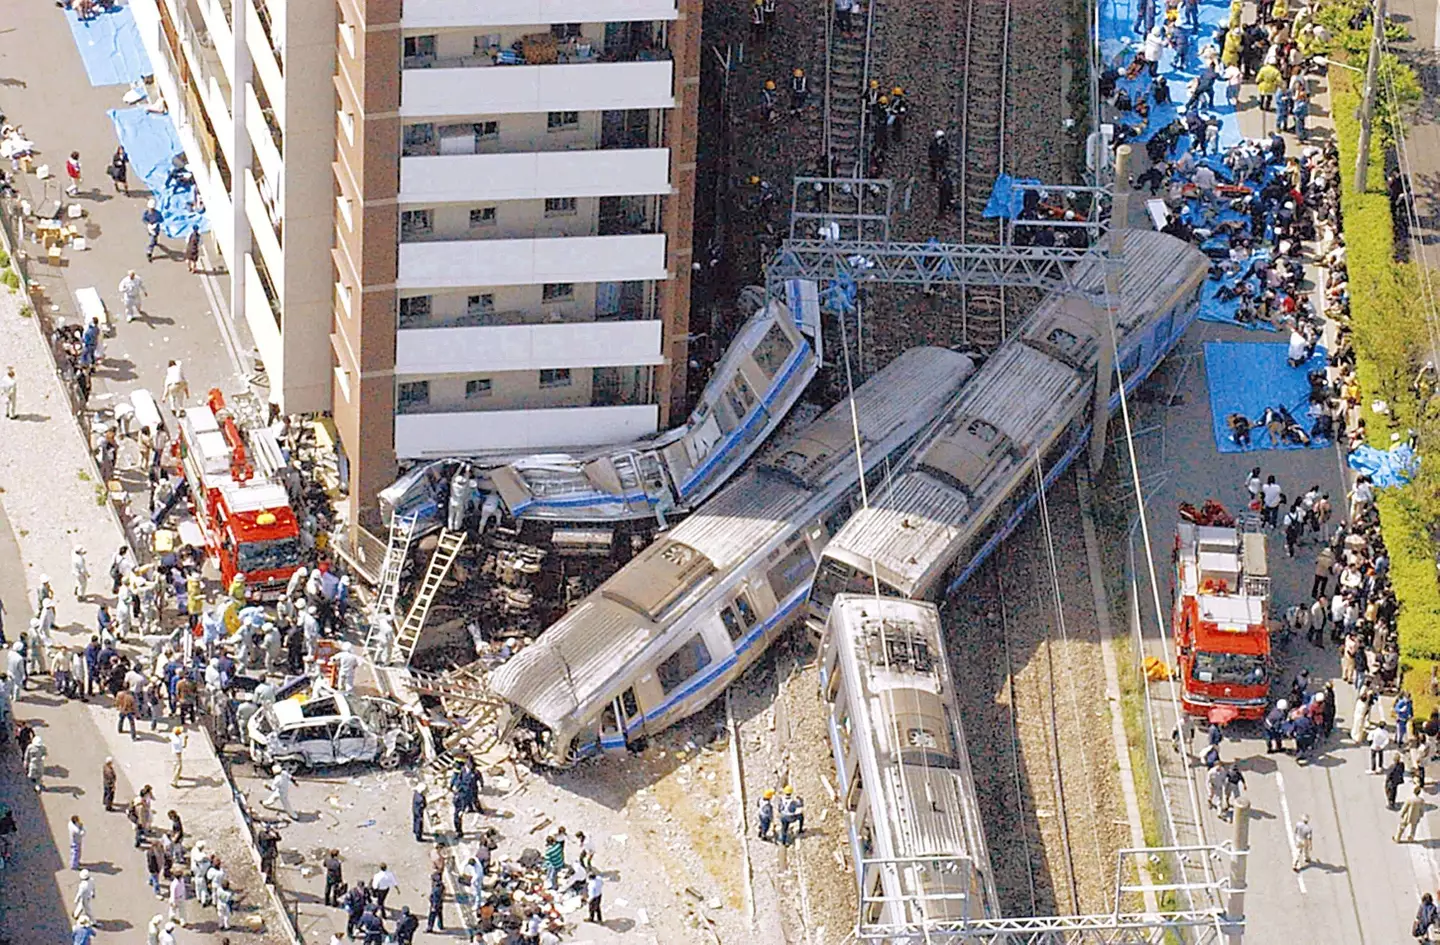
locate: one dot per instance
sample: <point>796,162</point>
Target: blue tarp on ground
<point>1119,42</point>
<point>1386,468</point>
<point>1245,377</point>
<point>1006,200</point>
<point>110,47</point>
<point>151,142</point>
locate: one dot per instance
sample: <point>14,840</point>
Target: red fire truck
<point>1221,620</point>
<point>231,463</point>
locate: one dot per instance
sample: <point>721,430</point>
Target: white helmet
<point>1282,704</point>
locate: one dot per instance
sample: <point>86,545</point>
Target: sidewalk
<point>49,503</point>
<point>44,89</point>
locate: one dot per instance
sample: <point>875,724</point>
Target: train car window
<point>740,397</point>
<point>747,613</point>
<point>791,571</point>
<point>1062,339</point>
<point>772,350</point>
<point>683,663</point>
<point>628,703</point>
<point>732,623</point>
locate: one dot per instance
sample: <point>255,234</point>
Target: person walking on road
<point>1427,918</point>
<point>435,920</point>
<point>1379,744</point>
<point>1394,777</point>
<point>178,895</point>
<point>417,811</point>
<point>35,763</point>
<point>177,389</point>
<point>72,171</point>
<point>766,812</point>
<point>84,897</point>
<point>383,882</point>
<point>1272,497</point>
<point>8,392</point>
<point>153,219</point>
<point>279,794</point>
<point>132,290</point>
<point>192,249</point>
<point>126,708</point>
<point>80,570</point>
<point>178,741</point>
<point>154,866</point>
<point>594,890</point>
<point>1411,813</point>
<point>1303,837</point>
<point>334,877</point>
<point>76,830</point>
<point>119,169</point>
<point>107,784</point>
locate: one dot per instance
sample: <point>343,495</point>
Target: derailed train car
<point>957,497</point>
<point>761,376</point>
<point>665,635</point>
<point>917,839</point>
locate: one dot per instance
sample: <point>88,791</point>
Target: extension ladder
<point>409,634</point>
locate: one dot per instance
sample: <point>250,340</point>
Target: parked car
<point>323,728</point>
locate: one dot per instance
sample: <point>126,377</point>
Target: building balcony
<point>459,264</point>
<point>447,14</point>
<point>483,177</point>
<point>461,432</point>
<point>460,90</point>
<point>526,347</point>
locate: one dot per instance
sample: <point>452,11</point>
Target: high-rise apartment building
<point>514,183</point>
<point>249,84</point>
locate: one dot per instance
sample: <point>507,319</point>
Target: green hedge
<point>1388,329</point>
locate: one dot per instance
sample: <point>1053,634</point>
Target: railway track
<point>983,107</point>
<point>847,76</point>
<point>1052,821</point>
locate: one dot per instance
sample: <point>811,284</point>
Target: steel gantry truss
<point>1194,928</point>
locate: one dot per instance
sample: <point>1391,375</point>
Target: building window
<point>559,206</point>
<point>486,44</point>
<point>342,292</point>
<point>347,125</point>
<point>419,49</point>
<point>560,121</point>
<point>419,139</point>
<point>557,291</point>
<point>487,129</point>
<point>477,305</point>
<point>477,388</point>
<point>554,377</point>
<point>411,394</point>
<point>563,31</point>
<point>415,308</point>
<point>416,223</point>
<point>346,207</point>
<point>483,216</point>
<point>347,35</point>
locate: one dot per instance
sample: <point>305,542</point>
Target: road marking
<point>1289,828</point>
<point>1345,856</point>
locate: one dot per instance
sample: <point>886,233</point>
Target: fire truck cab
<point>232,464</point>
<point>1221,619</point>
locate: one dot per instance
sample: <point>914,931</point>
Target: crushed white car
<point>324,728</point>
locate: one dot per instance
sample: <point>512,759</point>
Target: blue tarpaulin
<point>1386,468</point>
<point>110,46</point>
<point>1006,198</point>
<point>1245,377</point>
<point>151,142</point>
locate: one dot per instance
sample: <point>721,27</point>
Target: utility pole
<point>1367,104</point>
<point>1106,314</point>
<point>1239,863</point>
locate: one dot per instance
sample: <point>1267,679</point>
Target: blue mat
<point>1006,200</point>
<point>1119,43</point>
<point>1387,468</point>
<point>151,142</point>
<point>110,47</point>
<point>1246,377</point>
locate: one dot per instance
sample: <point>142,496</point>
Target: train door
<point>622,723</point>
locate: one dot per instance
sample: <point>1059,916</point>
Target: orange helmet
<point>754,178</point>
<point>798,72</point>
<point>874,83</point>
<point>770,85</point>
<point>897,90</point>
<point>884,100</point>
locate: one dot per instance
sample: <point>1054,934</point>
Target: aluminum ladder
<point>409,634</point>
<point>402,532</point>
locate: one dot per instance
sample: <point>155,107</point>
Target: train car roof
<point>902,530</point>
<point>581,655</point>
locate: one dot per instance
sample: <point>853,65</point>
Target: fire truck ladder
<point>402,532</point>
<point>445,553</point>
